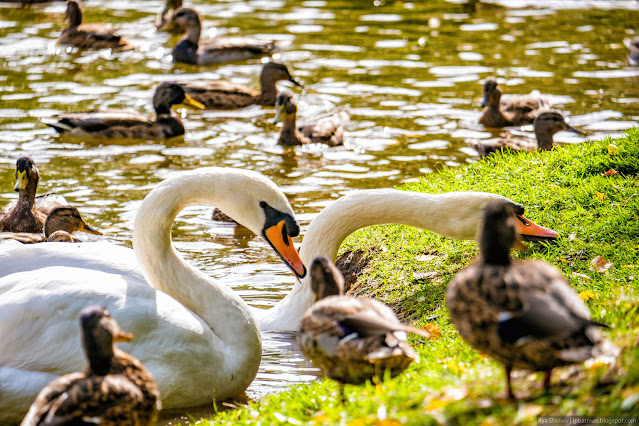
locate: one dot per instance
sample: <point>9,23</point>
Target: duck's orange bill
<point>86,228</point>
<point>531,231</point>
<point>121,336</point>
<point>283,245</point>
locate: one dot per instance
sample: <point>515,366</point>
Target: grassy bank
<point>573,190</point>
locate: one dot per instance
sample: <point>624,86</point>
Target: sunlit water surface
<point>409,73</point>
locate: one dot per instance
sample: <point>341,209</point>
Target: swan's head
<point>326,279</point>
<point>99,332</point>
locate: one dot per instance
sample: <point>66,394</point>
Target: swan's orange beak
<point>530,231</point>
<point>283,244</point>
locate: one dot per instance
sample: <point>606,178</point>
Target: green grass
<point>566,190</point>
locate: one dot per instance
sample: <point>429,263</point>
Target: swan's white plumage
<point>198,338</point>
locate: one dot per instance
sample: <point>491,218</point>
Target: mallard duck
<point>164,18</point>
<point>632,43</point>
<point>351,339</point>
<point>522,313</point>
<point>191,50</point>
<point>515,111</point>
<point>115,389</point>
<point>328,129</point>
<point>225,95</point>
<point>59,225</point>
<point>546,125</point>
<point>129,124</point>
<point>89,36</point>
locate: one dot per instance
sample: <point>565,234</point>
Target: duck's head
<point>187,17</point>
<point>168,94</point>
<point>99,332</point>
<point>499,233</point>
<point>68,219</point>
<point>492,94</point>
<point>26,172</point>
<point>285,104</point>
<point>165,18</point>
<point>74,12</point>
<point>326,279</point>
<point>553,122</point>
<point>274,71</point>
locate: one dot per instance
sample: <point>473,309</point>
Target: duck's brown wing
<point>523,109</point>
<point>98,122</point>
<point>94,36</point>
<point>229,49</point>
<point>327,129</point>
<point>48,397</point>
<point>221,94</point>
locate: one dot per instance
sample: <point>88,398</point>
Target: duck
<point>114,389</point>
<point>196,336</point>
<point>29,212</point>
<point>522,313</point>
<point>328,129</point>
<point>453,215</point>
<point>164,18</point>
<point>632,43</point>
<point>90,36</point>
<point>226,95</point>
<point>115,123</point>
<point>515,111</point>
<point>352,339</point>
<point>546,125</point>
<point>191,50</point>
<point>58,226</point>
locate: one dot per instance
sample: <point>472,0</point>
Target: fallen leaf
<point>600,264</point>
<point>582,276</point>
<point>424,275</point>
<point>455,394</point>
<point>425,257</point>
<point>572,236</point>
<point>434,331</point>
<point>528,411</point>
<point>611,172</point>
<point>321,419</point>
<point>612,149</point>
<point>601,196</point>
<point>554,186</point>
<point>587,295</point>
<point>388,422</point>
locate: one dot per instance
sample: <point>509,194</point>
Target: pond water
<point>410,73</point>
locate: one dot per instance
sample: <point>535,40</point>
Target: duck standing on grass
<point>546,125</point>
<point>191,50</point>
<point>512,112</point>
<point>327,129</point>
<point>115,390</point>
<point>226,95</point>
<point>522,313</point>
<point>351,339</point>
<point>114,123</point>
<point>90,36</point>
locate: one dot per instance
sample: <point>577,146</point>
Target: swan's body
<point>197,337</point>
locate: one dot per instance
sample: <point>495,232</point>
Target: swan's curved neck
<point>454,214</point>
<point>226,314</point>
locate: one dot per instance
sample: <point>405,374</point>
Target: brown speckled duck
<point>115,389</point>
<point>513,112</point>
<point>61,222</point>
<point>328,129</point>
<point>192,50</point>
<point>351,339</point>
<point>116,123</point>
<point>522,313</point>
<point>89,36</point>
<point>546,125</point>
<point>226,95</point>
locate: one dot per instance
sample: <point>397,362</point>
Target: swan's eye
<point>263,204</point>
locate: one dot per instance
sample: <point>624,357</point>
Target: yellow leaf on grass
<point>554,186</point>
<point>582,276</point>
<point>388,422</point>
<point>601,195</point>
<point>321,419</point>
<point>611,172</point>
<point>587,295</point>
<point>612,149</point>
<point>434,331</point>
<point>600,264</point>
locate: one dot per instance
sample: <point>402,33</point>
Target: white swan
<point>453,214</point>
<point>197,337</point>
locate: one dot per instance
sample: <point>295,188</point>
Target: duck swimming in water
<point>515,111</point>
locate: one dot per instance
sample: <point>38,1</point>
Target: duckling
<point>190,50</point>
<point>513,112</point>
<point>115,389</point>
<point>89,36</point>
<point>225,95</point>
<point>129,124</point>
<point>164,18</point>
<point>632,43</point>
<point>351,339</point>
<point>62,219</point>
<point>546,125</point>
<point>522,313</point>
<point>328,129</point>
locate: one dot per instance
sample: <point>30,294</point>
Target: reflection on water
<point>410,73</point>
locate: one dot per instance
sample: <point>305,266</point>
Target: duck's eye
<point>263,204</point>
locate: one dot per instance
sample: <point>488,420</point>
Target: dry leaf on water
<point>600,264</point>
